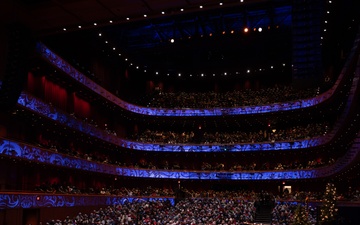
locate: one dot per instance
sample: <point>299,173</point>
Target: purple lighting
<point>62,65</point>
<point>40,200</point>
<point>52,113</point>
<point>31,153</point>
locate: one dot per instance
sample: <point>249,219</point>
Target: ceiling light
<point>181,10</point>
<point>100,34</point>
<point>260,29</point>
<point>127,18</point>
<point>95,24</point>
<point>246,29</point>
<point>137,67</point>
<point>145,71</point>
<point>201,7</point>
<point>156,73</point>
<point>114,48</point>
<point>145,15</point>
<point>126,59</point>
<point>220,3</point>
<point>172,40</point>
<point>119,54</point>
<point>64,29</point>
<point>79,27</point>
<point>106,42</point>
<point>110,21</point>
<point>179,74</point>
<point>163,12</point>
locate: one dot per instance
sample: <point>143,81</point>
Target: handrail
<point>17,150</point>
<point>10,200</point>
<point>36,105</point>
<point>65,67</point>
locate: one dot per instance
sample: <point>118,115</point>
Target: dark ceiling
<point>208,35</point>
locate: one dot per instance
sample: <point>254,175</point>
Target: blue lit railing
<point>43,109</point>
<point>41,200</point>
<point>27,152</point>
<point>61,64</point>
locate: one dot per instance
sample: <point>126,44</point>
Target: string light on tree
<point>328,210</point>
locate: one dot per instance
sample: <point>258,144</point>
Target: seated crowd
<point>201,207</point>
<point>205,165</point>
<point>187,211</point>
<point>247,97</point>
<point>288,134</point>
<point>352,194</point>
<point>283,213</point>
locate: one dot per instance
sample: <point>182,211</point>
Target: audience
<point>246,97</point>
<point>299,132</point>
<point>200,207</point>
<point>283,213</point>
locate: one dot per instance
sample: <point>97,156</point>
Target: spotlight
<point>172,40</point>
<point>110,21</point>
<point>95,24</point>
<point>246,29</point>
<point>260,29</point>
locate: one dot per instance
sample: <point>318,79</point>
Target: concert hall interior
<point>179,112</point>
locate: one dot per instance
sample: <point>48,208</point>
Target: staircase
<point>263,214</point>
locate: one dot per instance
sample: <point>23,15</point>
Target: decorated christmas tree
<point>301,216</point>
<point>328,209</point>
